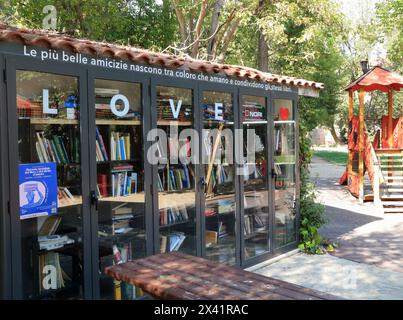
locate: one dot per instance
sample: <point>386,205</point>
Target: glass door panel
<point>120,181</point>
<point>284,169</point>
<point>50,179</point>
<point>255,184</point>
<point>219,176</point>
<point>176,173</point>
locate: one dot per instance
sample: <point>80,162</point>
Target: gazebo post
<point>361,148</point>
<point>350,117</point>
<point>390,118</point>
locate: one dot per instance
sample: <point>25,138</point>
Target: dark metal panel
<point>297,167</point>
<point>154,171</point>
<point>92,185</point>
<point>148,173</point>
<point>5,236</point>
<point>15,226</point>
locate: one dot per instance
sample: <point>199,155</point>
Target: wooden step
<point>392,203</point>
<point>393,190</point>
<point>394,178</point>
<point>393,210</point>
<point>392,197</point>
<point>398,184</point>
<point>387,162</point>
<point>382,155</point>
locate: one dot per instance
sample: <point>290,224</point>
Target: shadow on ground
<point>341,221</point>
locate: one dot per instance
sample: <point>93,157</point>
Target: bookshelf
<point>219,175</point>
<point>120,184</point>
<point>255,182</point>
<point>176,180</point>
<point>52,244</point>
<point>285,165</point>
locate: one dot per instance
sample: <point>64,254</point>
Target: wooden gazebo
<point>383,157</point>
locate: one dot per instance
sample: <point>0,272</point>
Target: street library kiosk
<point>111,153</point>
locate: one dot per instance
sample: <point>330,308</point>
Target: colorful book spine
<point>134,178</point>
<point>101,145</point>
<point>66,156</point>
<point>122,148</point>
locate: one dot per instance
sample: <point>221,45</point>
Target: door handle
<point>202,181</point>
<point>94,199</point>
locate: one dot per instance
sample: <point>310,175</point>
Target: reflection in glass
<point>48,109</point>
<point>176,182</point>
<point>120,181</point>
<point>284,166</point>
<point>217,146</point>
<point>256,194</point>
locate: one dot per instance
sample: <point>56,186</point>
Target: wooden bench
<point>179,276</point>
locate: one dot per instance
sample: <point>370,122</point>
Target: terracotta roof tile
<point>60,41</point>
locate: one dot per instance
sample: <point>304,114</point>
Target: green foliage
<point>140,23</point>
<point>390,21</point>
<point>312,213</point>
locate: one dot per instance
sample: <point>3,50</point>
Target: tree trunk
<point>334,134</point>
<point>263,53</point>
<point>213,27</point>
<point>198,28</point>
<point>228,38</point>
<point>181,22</point>
<point>263,49</point>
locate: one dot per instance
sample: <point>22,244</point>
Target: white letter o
<point>115,111</point>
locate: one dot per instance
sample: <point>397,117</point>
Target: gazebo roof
<point>377,78</point>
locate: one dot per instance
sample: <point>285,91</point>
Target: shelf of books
<point>176,178</point>
<point>219,173</point>
<point>256,194</point>
<point>120,183</point>
<point>49,132</point>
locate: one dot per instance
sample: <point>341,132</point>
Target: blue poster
<point>38,189</point>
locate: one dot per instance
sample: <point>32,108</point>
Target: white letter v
<point>175,111</point>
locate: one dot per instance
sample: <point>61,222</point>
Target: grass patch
<point>336,157</point>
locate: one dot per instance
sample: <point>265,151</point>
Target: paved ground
<point>369,262</point>
<point>364,234</point>
<point>340,277</point>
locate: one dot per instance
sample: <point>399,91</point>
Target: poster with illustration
<point>38,189</point>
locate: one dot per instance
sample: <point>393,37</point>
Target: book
<point>211,238</point>
<point>106,92</point>
<point>171,215</point>
<point>101,145</point>
<point>49,226</point>
<point>103,182</point>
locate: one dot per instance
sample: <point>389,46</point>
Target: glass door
<point>49,206</point>
<point>118,166</point>
<point>175,168</point>
<point>285,172</point>
<point>256,209</point>
<point>220,179</point>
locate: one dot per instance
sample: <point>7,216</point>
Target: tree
<point>208,27</point>
<point>141,23</point>
<point>303,40</point>
<point>389,16</point>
